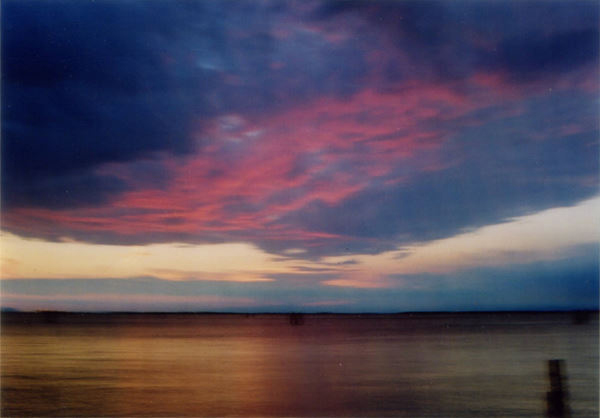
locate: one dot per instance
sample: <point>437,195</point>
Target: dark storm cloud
<point>82,85</point>
<point>541,55</point>
<point>65,191</point>
<point>452,40</point>
<point>85,83</point>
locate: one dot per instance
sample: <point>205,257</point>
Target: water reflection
<point>259,365</point>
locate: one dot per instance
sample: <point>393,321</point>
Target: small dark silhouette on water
<point>558,398</point>
<point>581,317</point>
<point>296,319</point>
<point>50,316</point>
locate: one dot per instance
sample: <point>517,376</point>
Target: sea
<point>275,365</point>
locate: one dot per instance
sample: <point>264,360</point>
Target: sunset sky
<point>352,156</point>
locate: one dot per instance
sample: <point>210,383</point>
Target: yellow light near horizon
<point>33,258</point>
<point>545,235</point>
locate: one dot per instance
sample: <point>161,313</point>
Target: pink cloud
<point>249,173</point>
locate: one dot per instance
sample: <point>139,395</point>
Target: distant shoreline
<point>208,313</point>
<point>447,319</point>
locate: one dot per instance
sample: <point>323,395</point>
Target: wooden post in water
<point>557,400</point>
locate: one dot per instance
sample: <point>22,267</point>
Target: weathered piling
<point>557,400</point>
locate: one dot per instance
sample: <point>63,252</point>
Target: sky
<point>311,156</point>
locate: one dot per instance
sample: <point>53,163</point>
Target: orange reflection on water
<point>236,365</point>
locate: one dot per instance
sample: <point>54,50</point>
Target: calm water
<point>229,365</point>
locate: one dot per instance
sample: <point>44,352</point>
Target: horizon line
<point>50,311</point>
